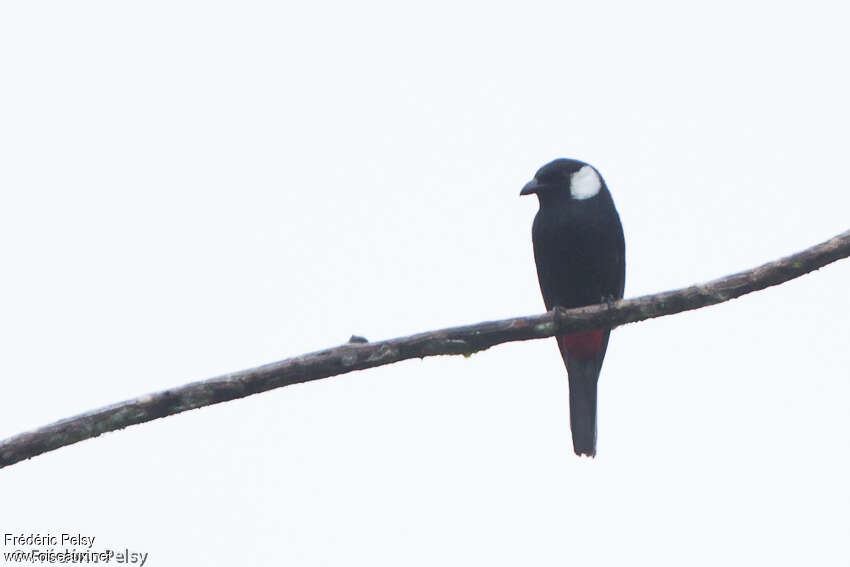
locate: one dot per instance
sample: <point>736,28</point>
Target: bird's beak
<point>532,186</point>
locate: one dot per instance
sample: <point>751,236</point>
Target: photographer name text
<point>44,540</point>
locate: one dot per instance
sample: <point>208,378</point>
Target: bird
<point>580,253</point>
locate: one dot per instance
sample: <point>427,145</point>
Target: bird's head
<point>565,178</point>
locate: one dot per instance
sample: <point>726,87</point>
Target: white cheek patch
<point>585,183</point>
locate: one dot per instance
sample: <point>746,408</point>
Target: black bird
<point>581,260</point>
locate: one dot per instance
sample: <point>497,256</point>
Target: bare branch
<point>358,354</point>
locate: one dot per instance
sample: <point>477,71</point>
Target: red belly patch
<point>582,345</point>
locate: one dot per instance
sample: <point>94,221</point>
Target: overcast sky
<point>191,188</point>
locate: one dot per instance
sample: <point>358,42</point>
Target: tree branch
<point>358,355</point>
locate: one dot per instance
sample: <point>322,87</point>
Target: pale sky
<point>192,188</point>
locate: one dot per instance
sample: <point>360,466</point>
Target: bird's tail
<point>583,377</point>
<point>583,354</point>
